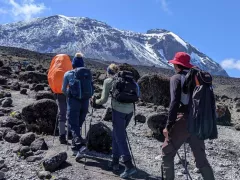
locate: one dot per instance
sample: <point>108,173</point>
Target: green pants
<point>177,136</point>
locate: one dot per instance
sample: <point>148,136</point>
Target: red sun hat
<point>183,59</point>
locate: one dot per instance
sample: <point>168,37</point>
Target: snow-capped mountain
<point>61,34</point>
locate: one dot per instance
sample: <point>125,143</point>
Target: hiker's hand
<point>93,101</point>
<point>165,133</point>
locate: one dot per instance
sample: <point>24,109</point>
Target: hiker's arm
<point>65,84</point>
<point>175,92</point>
<point>105,93</point>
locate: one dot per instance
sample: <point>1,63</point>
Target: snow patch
<point>180,40</point>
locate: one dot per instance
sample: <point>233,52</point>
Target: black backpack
<point>124,88</point>
<point>81,86</point>
<point>202,106</point>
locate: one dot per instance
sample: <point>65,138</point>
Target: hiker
<point>176,131</point>
<point>60,64</point>
<point>121,116</point>
<point>78,90</point>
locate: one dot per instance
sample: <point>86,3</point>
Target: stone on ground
<point>52,162</point>
<point>39,144</point>
<point>12,137</point>
<point>27,139</point>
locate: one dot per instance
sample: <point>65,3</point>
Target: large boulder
<point>39,144</point>
<point>100,138</point>
<point>223,115</point>
<point>27,139</point>
<point>44,95</point>
<point>155,89</point>
<point>40,116</point>
<point>157,122</point>
<point>52,162</point>
<point>127,67</point>
<point>9,122</point>
<point>33,76</point>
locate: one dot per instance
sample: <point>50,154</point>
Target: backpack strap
<point>196,81</point>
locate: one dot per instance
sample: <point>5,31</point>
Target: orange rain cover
<point>60,64</point>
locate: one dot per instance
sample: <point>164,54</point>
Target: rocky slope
<point>27,162</point>
<point>60,34</point>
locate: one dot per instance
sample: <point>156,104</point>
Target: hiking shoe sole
<point>127,174</point>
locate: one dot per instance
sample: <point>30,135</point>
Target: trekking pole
<point>185,156</point>
<point>55,128</point>
<point>185,167</point>
<point>85,161</point>
<point>130,150</point>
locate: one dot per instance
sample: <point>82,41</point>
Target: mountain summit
<point>61,34</point>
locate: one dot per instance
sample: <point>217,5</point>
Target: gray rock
<point>9,122</point>
<point>224,115</point>
<point>140,118</point>
<point>40,116</point>
<point>33,76</point>
<point>7,102</point>
<point>150,91</point>
<point>107,114</point>
<point>157,122</point>
<point>39,87</point>
<point>44,175</point>
<point>53,162</point>
<point>27,139</point>
<point>24,150</point>
<point>20,129</point>
<point>237,127</point>
<point>2,175</point>
<point>3,80</point>
<point>39,144</point>
<point>33,158</point>
<point>5,169</point>
<point>12,137</point>
<point>44,95</point>
<point>16,149</point>
<point>15,86</point>
<point>23,91</point>
<point>2,164</point>
<point>100,138</point>
<point>30,68</point>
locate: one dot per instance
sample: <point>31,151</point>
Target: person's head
<point>112,70</point>
<point>78,61</point>
<point>181,61</point>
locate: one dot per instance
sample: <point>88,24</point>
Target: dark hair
<point>182,67</point>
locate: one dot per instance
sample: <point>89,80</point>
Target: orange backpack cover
<point>60,64</point>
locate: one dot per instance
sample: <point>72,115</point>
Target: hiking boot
<point>70,137</point>
<point>81,153</point>
<point>113,166</point>
<point>127,173</point>
<point>62,139</point>
<point>129,170</point>
<point>77,143</point>
<point>207,173</point>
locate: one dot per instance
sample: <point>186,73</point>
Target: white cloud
<point>231,64</point>
<point>24,9</point>
<point>165,6</point>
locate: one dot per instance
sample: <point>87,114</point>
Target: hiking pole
<point>85,161</point>
<point>55,128</point>
<point>185,156</point>
<point>130,150</point>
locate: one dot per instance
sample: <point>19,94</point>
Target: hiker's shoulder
<point>176,77</point>
<point>108,80</point>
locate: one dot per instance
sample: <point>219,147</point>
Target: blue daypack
<point>81,86</point>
